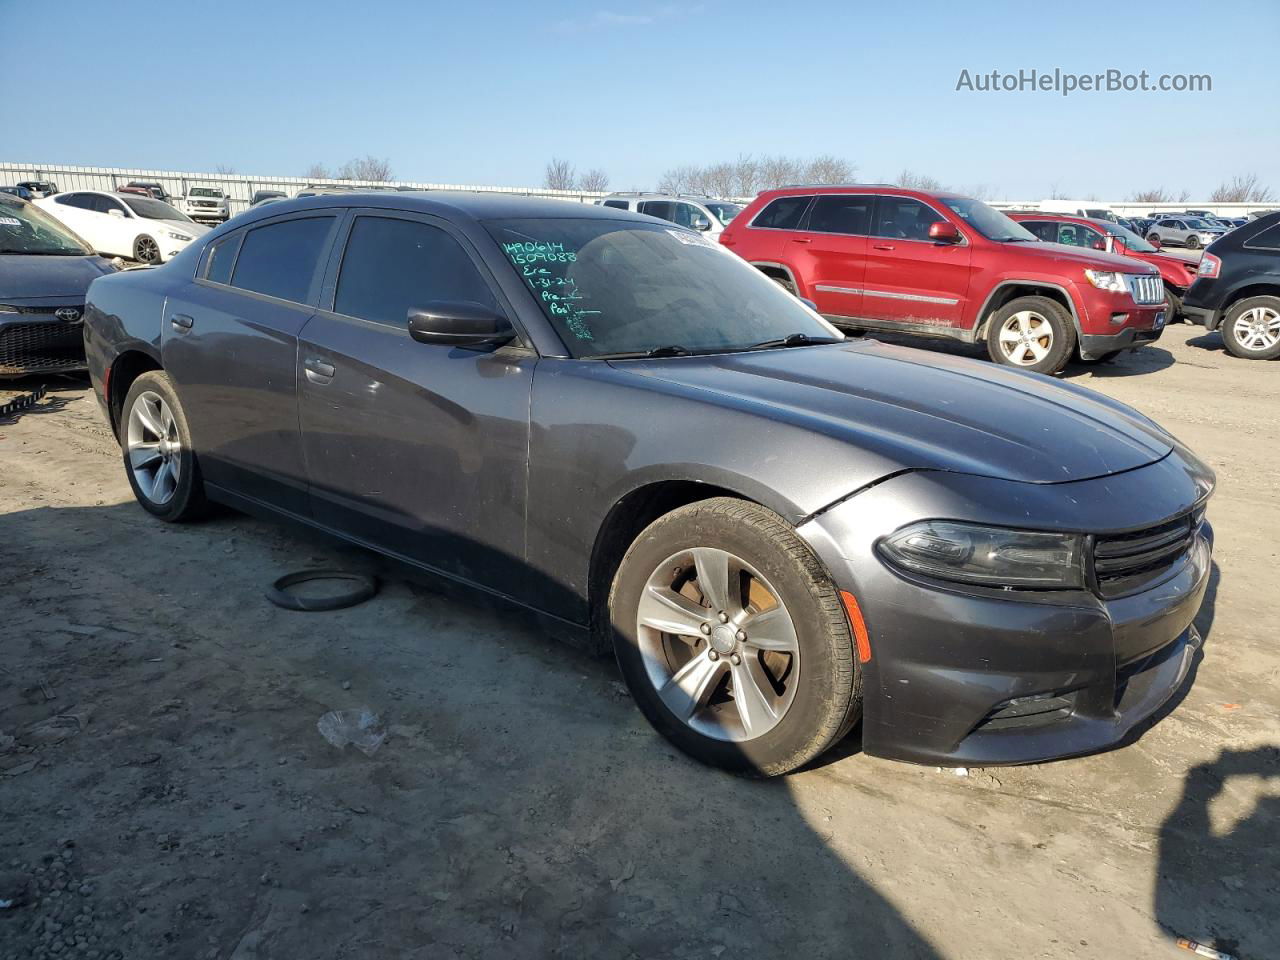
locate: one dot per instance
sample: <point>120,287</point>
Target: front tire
<point>1173,307</point>
<point>159,458</point>
<point>146,250</point>
<point>1193,242</point>
<point>1251,329</point>
<point>1032,333</point>
<point>733,639</point>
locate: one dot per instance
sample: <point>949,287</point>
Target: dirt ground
<point>164,792</point>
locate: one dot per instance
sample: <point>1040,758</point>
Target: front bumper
<point>962,677</point>
<point>36,341</point>
<point>1094,346</point>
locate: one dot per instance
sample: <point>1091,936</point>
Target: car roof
<point>801,190</point>
<point>455,204</point>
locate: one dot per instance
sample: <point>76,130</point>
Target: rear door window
<point>785,213</point>
<point>1268,239</point>
<point>280,259</point>
<point>1045,230</point>
<point>391,265</point>
<point>842,213</point>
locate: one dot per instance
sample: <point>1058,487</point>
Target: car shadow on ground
<point>522,807</point>
<point>1209,340</point>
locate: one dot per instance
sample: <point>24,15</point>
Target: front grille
<point>45,345</point>
<point>1145,287</point>
<point>1127,562</point>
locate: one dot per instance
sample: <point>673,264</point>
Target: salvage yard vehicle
<point>619,425</point>
<point>1176,273</point>
<point>45,272</point>
<point>125,225</point>
<point>39,189</point>
<point>206,205</point>
<point>693,210</point>
<point>942,265</point>
<point>156,190</point>
<point>1237,289</point>
<point>1190,232</point>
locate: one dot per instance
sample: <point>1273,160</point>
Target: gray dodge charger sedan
<point>610,421</point>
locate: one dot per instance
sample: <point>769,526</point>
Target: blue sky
<point>488,92</point>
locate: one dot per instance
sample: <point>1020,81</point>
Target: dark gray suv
<point>613,422</point>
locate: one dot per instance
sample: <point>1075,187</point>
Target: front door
<point>419,449</point>
<point>230,344</point>
<point>912,281</point>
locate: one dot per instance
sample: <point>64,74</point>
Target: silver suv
<point>694,210</point>
<point>1191,232</point>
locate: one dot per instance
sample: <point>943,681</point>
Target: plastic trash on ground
<point>360,727</point>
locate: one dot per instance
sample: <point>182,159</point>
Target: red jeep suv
<point>938,265</point>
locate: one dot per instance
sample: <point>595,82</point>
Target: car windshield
<point>28,229</point>
<point>989,222</point>
<point>614,286</point>
<point>1131,239</point>
<point>205,192</point>
<point>725,211</point>
<point>1195,223</point>
<point>150,209</point>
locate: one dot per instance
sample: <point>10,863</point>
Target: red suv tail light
<point>1209,266</point>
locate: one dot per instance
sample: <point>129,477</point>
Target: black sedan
<point>45,271</point>
<point>613,422</point>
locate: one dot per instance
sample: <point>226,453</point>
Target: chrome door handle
<point>180,321</point>
<point>318,371</point>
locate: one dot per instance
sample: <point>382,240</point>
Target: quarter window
<point>391,265</point>
<point>663,209</point>
<point>842,213</point>
<point>902,218</point>
<point>280,259</point>
<point>785,213</point>
<point>616,204</point>
<point>222,256</point>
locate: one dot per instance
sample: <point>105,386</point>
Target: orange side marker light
<point>859,626</point>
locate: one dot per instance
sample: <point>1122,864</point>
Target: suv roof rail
<point>851,183</point>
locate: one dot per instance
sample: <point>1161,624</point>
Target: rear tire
<point>786,638</point>
<point>1251,329</point>
<point>1032,333</point>
<point>159,458</point>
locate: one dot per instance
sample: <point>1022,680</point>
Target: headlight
<point>178,236</point>
<point>1107,280</point>
<point>992,556</point>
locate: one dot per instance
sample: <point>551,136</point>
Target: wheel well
<point>624,522</point>
<point>1253,290</point>
<point>127,368</point>
<point>1012,292</point>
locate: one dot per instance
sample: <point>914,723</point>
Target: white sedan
<point>125,225</point>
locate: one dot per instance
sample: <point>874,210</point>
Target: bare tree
<point>828,169</point>
<point>677,179</point>
<point>559,175</point>
<point>317,171</point>
<point>746,174</point>
<point>594,180</point>
<point>224,168</point>
<point>720,179</point>
<point>779,171</point>
<point>1153,195</point>
<point>368,168</point>
<point>917,181</point>
<point>1242,189</point>
<point>1056,192</point>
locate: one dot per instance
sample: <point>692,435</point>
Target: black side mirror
<point>459,323</point>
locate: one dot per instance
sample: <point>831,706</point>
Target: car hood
<point>182,226</point>
<point>1078,257</point>
<point>26,277</point>
<point>922,410</point>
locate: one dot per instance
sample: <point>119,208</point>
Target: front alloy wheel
<point>732,638</point>
<point>146,250</point>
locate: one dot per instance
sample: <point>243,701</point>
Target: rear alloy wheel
<point>146,250</point>
<point>1031,333</point>
<point>1252,328</point>
<point>733,640</point>
<point>158,457</point>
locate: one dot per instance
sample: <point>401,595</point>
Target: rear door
<point>419,448</point>
<point>765,240</point>
<point>912,281</point>
<point>76,211</point>
<point>831,252</point>
<point>230,344</point>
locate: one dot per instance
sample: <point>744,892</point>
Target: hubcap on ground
<point>1026,338</point>
<point>1258,329</point>
<point>719,646</point>
<point>153,448</point>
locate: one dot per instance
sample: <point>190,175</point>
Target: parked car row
<point>614,422</point>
